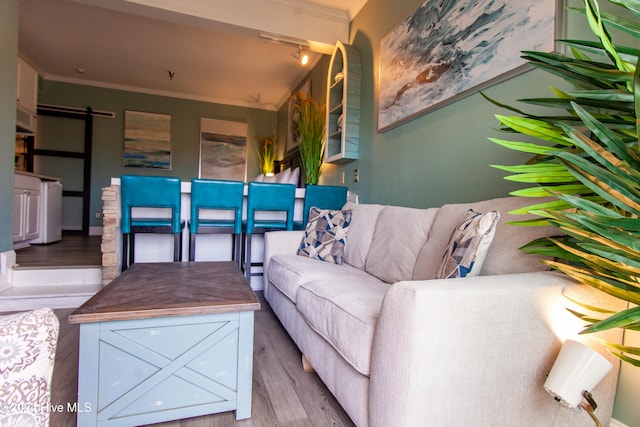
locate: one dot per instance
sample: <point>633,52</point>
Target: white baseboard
<point>616,423</point>
<point>95,231</point>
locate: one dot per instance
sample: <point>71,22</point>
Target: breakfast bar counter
<point>158,247</point>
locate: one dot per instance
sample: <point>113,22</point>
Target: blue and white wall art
<point>223,149</point>
<point>447,48</point>
<point>147,140</point>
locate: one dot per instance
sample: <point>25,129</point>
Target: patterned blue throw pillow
<point>468,245</point>
<point>325,235</point>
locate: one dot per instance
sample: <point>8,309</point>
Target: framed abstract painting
<point>293,117</point>
<point>448,49</point>
<point>223,149</point>
<point>147,140</point>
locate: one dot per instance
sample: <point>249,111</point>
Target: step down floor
<point>64,287</point>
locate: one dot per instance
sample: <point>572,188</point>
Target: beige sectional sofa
<point>397,347</point>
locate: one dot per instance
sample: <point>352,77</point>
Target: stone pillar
<point>110,225</point>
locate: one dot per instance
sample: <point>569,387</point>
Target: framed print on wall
<point>147,140</point>
<point>223,149</point>
<point>293,131</point>
<point>448,49</point>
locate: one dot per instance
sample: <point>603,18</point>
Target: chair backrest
<point>323,197</point>
<point>216,194</point>
<point>139,191</point>
<point>273,197</point>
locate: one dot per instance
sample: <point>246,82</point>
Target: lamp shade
<point>576,369</point>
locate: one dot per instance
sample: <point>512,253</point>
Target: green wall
<point>185,130</point>
<point>8,75</point>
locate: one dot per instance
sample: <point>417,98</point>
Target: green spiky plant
<point>267,150</point>
<point>312,131</point>
<point>588,159</point>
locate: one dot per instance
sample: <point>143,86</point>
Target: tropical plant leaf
<point>546,178</point>
<point>610,139</point>
<point>625,358</point>
<point>604,75</point>
<point>536,128</point>
<point>621,106</point>
<point>618,320</point>
<point>592,11</point>
<point>526,147</point>
<point>590,204</point>
<point>610,186</point>
<point>536,222</point>
<point>623,348</point>
<point>631,5</point>
<point>602,94</point>
<point>623,269</point>
<point>589,306</point>
<point>596,47</point>
<point>501,105</point>
<point>548,191</point>
<point>548,248</point>
<point>585,317</point>
<point>572,76</point>
<point>533,168</point>
<point>615,255</point>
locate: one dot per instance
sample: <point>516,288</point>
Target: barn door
<point>62,149</point>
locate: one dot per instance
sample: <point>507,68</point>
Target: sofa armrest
<point>476,351</point>
<point>280,242</point>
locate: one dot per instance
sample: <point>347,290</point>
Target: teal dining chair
<point>225,198</point>
<point>269,207</point>
<point>323,197</point>
<point>139,191</point>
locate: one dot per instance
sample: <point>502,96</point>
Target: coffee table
<point>166,341</point>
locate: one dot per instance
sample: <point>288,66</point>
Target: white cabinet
<point>26,208</point>
<point>343,105</point>
<point>27,97</point>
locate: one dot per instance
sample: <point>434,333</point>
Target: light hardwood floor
<point>283,394</point>
<point>72,250</point>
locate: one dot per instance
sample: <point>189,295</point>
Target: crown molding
<point>169,94</point>
<point>290,18</point>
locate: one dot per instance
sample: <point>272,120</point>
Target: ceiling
<point>235,52</point>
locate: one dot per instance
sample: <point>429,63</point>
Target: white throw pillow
<point>295,177</point>
<point>283,177</point>
<point>468,245</point>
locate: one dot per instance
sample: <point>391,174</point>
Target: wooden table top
<point>151,290</point>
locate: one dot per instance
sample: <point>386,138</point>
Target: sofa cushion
<point>363,224</point>
<point>468,245</point>
<point>325,235</point>
<point>288,272</point>
<point>399,235</point>
<point>503,257</point>
<point>345,313</point>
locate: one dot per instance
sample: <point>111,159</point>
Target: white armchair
<point>27,354</point>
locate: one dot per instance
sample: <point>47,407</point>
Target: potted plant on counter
<point>267,148</point>
<point>312,131</point>
<point>588,158</point>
